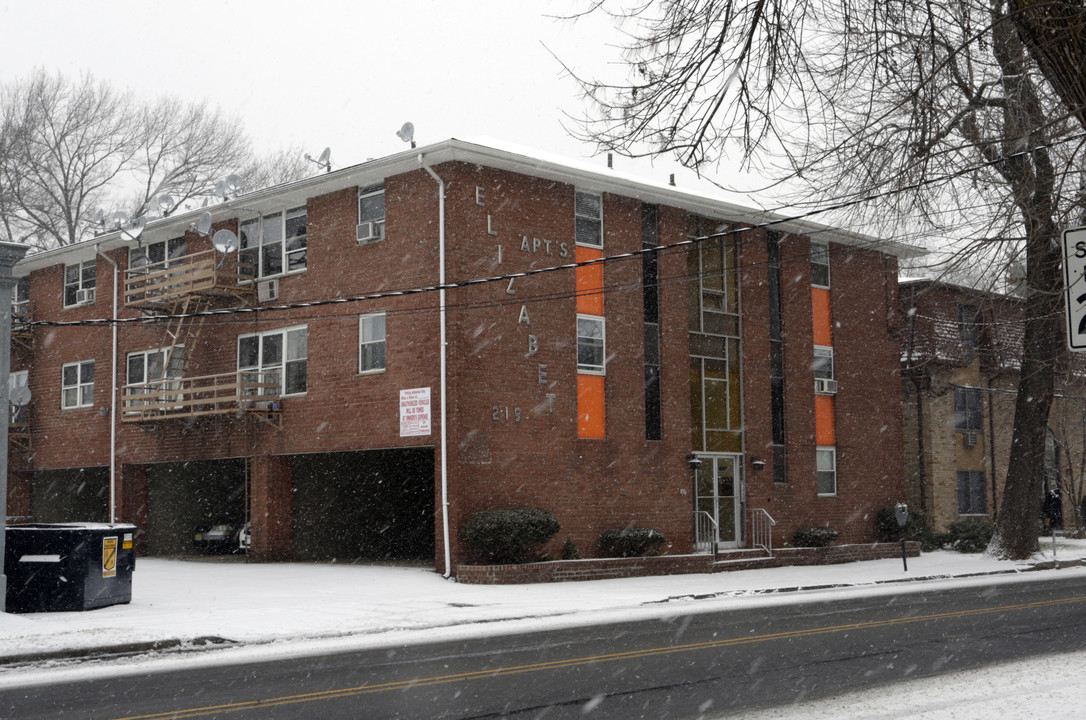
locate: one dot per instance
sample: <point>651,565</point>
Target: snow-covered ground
<point>276,610</point>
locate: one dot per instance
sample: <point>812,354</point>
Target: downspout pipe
<point>112,395</point>
<point>444,365</point>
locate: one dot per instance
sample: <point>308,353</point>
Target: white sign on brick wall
<point>415,412</point>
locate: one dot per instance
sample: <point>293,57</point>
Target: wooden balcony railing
<point>227,393</point>
<point>162,284</point>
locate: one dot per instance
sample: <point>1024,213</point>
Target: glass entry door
<point>718,502</point>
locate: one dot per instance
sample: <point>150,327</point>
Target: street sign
<point>1074,282</point>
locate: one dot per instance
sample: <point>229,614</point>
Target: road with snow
<point>681,666</point>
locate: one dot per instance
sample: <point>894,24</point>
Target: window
<point>161,254</point>
<point>77,385</point>
<point>371,343</point>
<point>151,371</point>
<point>275,244</point>
<point>823,362</point>
<point>371,213</point>
<point>18,414</point>
<point>971,495</point>
<point>79,283</point>
<point>967,325</point>
<point>826,467</point>
<point>20,298</point>
<point>590,344</point>
<point>967,409</point>
<point>588,212</point>
<point>820,265</point>
<point>279,356</point>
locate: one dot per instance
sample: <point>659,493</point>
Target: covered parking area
<point>371,505</point>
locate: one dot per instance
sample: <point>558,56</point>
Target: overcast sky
<point>339,73</point>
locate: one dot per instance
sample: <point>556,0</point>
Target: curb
<point>177,645</point>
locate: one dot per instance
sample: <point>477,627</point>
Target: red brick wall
<point>495,369</point>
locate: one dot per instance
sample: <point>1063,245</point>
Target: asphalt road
<point>697,665</point>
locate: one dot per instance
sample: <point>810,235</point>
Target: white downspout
<point>113,398</point>
<point>444,380</point>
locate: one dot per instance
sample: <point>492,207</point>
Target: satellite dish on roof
<point>204,225</point>
<point>133,229</point>
<point>18,390</point>
<point>407,133</point>
<point>234,182</point>
<point>165,204</point>
<point>225,241</point>
<point>118,219</point>
<point>324,161</point>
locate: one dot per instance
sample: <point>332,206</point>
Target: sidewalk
<point>186,605</point>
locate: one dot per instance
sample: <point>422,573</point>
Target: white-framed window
<point>591,344</point>
<point>588,215</point>
<point>826,470</point>
<point>77,385</point>
<point>823,362</point>
<point>274,244</point>
<point>161,254</point>
<point>371,213</point>
<point>79,279</point>
<point>151,371</point>
<point>371,342</point>
<point>279,356</point>
<point>20,298</point>
<point>820,264</point>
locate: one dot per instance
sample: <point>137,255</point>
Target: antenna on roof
<point>230,185</point>
<point>132,230</point>
<point>226,242</point>
<point>18,390</point>
<point>165,204</point>
<point>407,133</point>
<point>324,161</point>
<point>204,225</point>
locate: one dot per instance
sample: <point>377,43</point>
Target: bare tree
<point>937,110</point>
<point>184,149</point>
<point>65,144</point>
<point>71,151</point>
<point>1055,33</point>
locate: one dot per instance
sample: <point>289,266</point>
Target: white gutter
<point>113,399</point>
<point>444,380</point>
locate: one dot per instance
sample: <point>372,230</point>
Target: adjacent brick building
<point>961,356</point>
<point>640,356</point>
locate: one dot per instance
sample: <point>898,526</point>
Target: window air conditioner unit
<point>969,439</point>
<point>370,231</point>
<point>825,387</point>
<point>267,290</point>
<point>84,296</point>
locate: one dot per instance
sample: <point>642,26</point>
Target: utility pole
<point>10,253</point>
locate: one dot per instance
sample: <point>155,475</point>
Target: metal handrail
<point>706,530</point>
<point>761,530</point>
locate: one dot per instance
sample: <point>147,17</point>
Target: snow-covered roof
<point>489,153</point>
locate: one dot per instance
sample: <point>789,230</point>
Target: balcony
<point>160,286</point>
<point>234,393</point>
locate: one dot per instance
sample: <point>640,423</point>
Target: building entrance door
<point>718,502</point>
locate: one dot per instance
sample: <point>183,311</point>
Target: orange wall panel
<point>589,282</point>
<point>590,412</point>
<point>824,434</point>
<point>820,315</point>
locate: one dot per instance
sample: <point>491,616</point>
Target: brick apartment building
<point>961,355</point>
<point>299,383</point>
